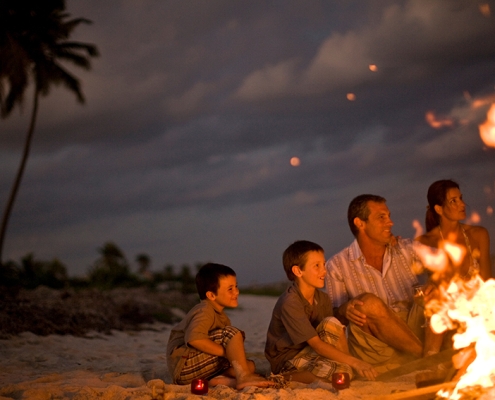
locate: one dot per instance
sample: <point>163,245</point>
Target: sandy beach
<point>131,365</point>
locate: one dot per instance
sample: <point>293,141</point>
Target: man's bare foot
<point>253,380</point>
<point>223,380</point>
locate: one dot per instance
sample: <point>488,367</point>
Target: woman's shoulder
<point>476,231</point>
<point>430,238</point>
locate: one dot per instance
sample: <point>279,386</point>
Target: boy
<point>204,344</point>
<point>304,342</point>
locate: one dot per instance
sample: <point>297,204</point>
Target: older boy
<point>204,344</point>
<point>304,342</point>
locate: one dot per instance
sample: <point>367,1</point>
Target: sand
<point>132,365</point>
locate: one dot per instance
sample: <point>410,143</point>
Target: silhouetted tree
<point>144,262</point>
<point>33,41</point>
<point>111,268</point>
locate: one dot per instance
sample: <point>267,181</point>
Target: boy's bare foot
<point>223,380</point>
<point>253,380</point>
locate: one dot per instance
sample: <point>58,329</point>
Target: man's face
<point>378,227</point>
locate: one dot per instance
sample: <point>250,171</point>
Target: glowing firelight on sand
<point>351,96</point>
<point>295,161</point>
<point>373,67</point>
<point>468,307</point>
<point>487,129</point>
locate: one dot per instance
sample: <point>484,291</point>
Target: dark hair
<point>208,278</point>
<point>297,254</point>
<point>437,195</point>
<point>359,208</point>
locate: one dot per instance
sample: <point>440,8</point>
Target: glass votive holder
<point>199,386</point>
<point>341,380</point>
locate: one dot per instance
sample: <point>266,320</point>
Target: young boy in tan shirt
<point>204,344</point>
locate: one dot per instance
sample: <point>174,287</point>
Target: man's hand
<point>352,314</point>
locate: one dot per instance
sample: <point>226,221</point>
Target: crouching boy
<point>204,344</point>
<point>305,343</point>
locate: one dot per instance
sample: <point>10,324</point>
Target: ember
<point>487,129</point>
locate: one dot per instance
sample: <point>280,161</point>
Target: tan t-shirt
<point>196,325</point>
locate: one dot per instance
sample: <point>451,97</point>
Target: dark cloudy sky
<point>195,109</point>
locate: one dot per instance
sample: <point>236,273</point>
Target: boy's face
<point>227,293</point>
<point>314,270</point>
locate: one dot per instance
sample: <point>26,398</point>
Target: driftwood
<point>418,365</point>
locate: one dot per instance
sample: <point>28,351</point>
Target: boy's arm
<point>208,346</point>
<point>328,351</point>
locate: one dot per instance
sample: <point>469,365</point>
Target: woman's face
<point>454,207</point>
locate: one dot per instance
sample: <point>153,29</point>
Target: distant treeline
<point>111,270</point>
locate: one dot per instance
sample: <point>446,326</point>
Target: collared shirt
<point>349,275</point>
<point>294,321</point>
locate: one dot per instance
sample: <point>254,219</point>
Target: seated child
<point>305,343</point>
<point>204,344</point>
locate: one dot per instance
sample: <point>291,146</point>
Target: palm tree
<point>33,39</point>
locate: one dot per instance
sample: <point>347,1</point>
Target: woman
<point>445,210</point>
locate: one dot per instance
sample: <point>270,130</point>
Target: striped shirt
<point>349,275</point>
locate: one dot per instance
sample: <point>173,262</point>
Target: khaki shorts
<point>368,348</point>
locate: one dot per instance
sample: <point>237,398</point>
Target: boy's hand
<point>354,315</point>
<point>364,369</point>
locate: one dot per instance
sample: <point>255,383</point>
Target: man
<point>371,285</point>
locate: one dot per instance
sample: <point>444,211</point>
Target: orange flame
<point>419,228</point>
<point>485,9</point>
<point>437,123</point>
<point>373,67</point>
<point>295,161</point>
<point>474,218</point>
<point>468,307</point>
<point>487,129</point>
<point>351,96</point>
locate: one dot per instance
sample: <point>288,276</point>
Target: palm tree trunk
<point>20,173</point>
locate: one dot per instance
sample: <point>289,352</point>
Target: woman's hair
<point>437,194</point>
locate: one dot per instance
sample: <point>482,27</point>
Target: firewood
<point>418,365</point>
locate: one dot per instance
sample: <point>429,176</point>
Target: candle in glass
<point>199,386</point>
<point>341,380</point>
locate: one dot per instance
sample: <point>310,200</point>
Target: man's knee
<point>372,305</point>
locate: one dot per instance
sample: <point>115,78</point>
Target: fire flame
<point>487,129</point>
<point>437,123</point>
<point>467,306</point>
<point>419,228</point>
